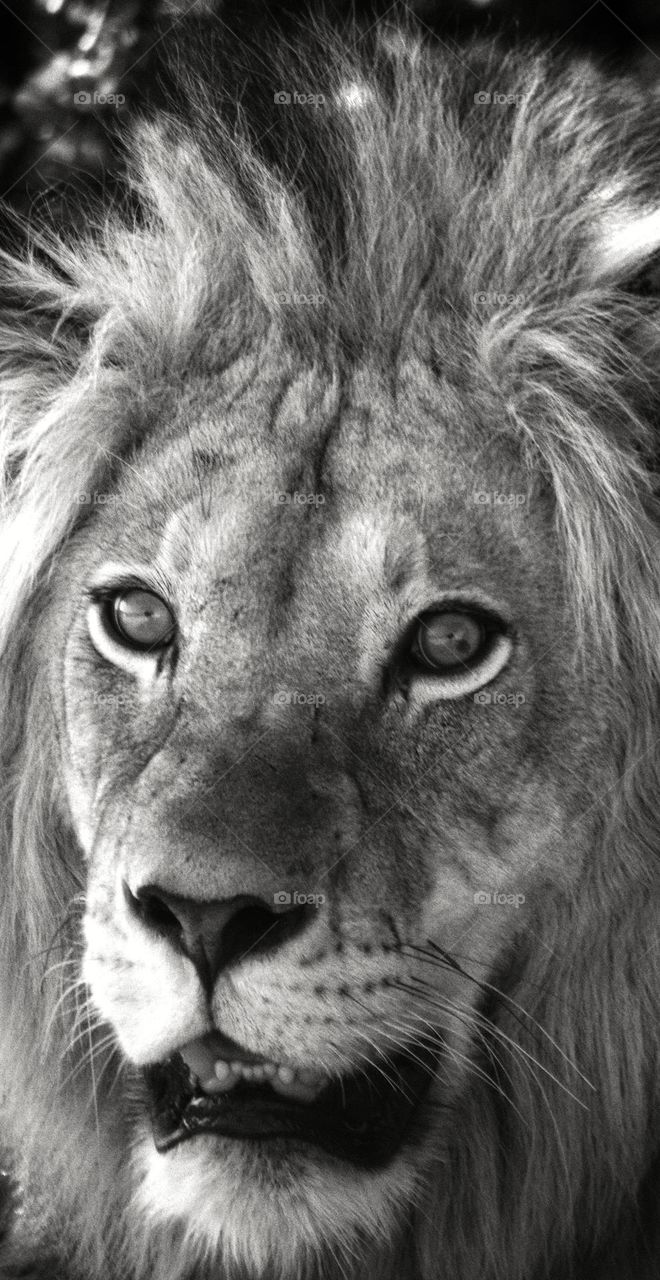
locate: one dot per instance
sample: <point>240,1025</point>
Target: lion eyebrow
<point>114,575</point>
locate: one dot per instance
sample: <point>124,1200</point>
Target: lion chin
<point>329,665</point>
<point>266,1213</point>
<point>259,1176</point>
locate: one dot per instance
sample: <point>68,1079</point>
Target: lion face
<point>329,893</point>
<point>314,696</point>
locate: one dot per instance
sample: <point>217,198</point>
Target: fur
<point>511,241</point>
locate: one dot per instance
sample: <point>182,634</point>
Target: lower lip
<point>251,1116</point>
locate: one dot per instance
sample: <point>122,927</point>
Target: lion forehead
<point>293,458</point>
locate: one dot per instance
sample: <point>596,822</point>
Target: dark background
<point>54,51</point>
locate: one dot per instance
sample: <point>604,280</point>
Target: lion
<point>329,581</point>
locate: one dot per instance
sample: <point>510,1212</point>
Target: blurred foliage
<point>67,68</point>
<point>73,71</point>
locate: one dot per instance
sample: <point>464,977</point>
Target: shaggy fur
<point>505,246</point>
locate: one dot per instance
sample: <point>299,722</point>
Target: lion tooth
<point>253,1072</point>
<point>223,1079</point>
<point>301,1085</point>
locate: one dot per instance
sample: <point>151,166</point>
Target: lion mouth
<point>362,1118</point>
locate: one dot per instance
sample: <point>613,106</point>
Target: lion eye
<point>142,619</point>
<point>446,641</point>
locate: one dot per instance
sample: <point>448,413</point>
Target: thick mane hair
<point>415,218</point>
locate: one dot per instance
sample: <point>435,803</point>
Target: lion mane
<point>522,237</point>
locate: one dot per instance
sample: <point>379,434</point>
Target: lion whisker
<point>475,1069</point>
<point>515,1009</point>
<point>394,1084</point>
<point>490,1028</point>
<point>66,993</point>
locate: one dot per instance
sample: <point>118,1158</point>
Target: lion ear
<point>626,259</point>
<point>627,248</point>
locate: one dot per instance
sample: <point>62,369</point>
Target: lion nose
<point>217,933</point>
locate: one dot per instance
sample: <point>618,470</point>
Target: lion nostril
<point>153,912</point>
<point>255,928</point>
<point>217,933</point>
